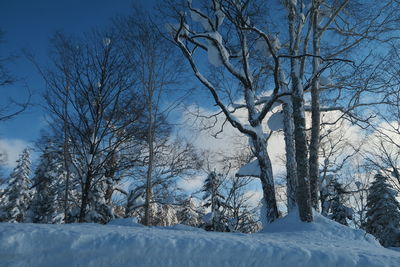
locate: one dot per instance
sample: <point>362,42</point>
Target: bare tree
<point>319,37</point>
<point>329,18</point>
<point>234,55</point>
<point>93,92</point>
<point>158,73</point>
<point>383,152</point>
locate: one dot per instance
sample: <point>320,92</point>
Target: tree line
<point>308,70</point>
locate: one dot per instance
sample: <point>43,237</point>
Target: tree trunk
<point>266,177</point>
<point>303,189</point>
<point>315,118</point>
<point>291,172</point>
<point>150,140</point>
<point>66,156</point>
<point>85,197</point>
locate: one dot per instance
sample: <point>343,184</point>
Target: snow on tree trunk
<point>291,172</point>
<point>66,152</point>
<point>303,189</point>
<point>266,178</point>
<point>315,116</point>
<point>150,142</point>
<point>86,186</point>
<point>241,69</point>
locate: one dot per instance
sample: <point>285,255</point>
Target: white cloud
<point>254,198</point>
<point>192,183</point>
<point>230,141</point>
<point>12,148</point>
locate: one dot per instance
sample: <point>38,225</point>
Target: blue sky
<point>28,24</point>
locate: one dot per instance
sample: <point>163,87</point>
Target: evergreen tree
<point>134,204</point>
<point>339,212</point>
<point>49,179</point>
<point>214,221</point>
<point>383,214</point>
<point>165,215</point>
<point>17,196</point>
<point>100,210</point>
<point>332,196</point>
<point>189,214</point>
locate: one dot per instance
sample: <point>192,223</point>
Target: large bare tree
<point>284,48</point>
<point>90,91</point>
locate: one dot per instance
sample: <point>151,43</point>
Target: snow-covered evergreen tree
<point>165,215</point>
<point>161,214</point>
<point>332,196</point>
<point>383,214</point>
<point>189,214</point>
<point>100,211</point>
<point>17,196</point>
<point>214,220</point>
<point>134,204</point>
<point>47,204</point>
<point>339,212</point>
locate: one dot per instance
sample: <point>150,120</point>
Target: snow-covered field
<point>124,243</point>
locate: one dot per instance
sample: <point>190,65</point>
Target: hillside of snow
<point>287,242</point>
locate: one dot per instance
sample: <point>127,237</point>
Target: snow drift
<point>126,243</point>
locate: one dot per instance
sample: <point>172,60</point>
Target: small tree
<point>216,201</point>
<point>135,202</point>
<point>17,197</point>
<point>165,215</point>
<point>157,72</point>
<point>49,179</point>
<point>339,212</point>
<point>189,213</point>
<point>383,215</point>
<point>100,210</point>
<point>238,211</point>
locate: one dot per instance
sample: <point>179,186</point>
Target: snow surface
<point>250,169</point>
<point>195,14</point>
<point>286,242</point>
<point>213,53</point>
<point>275,122</point>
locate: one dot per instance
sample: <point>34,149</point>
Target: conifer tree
<point>216,201</point>
<point>99,210</point>
<point>339,212</point>
<point>47,205</point>
<point>165,215</point>
<point>17,196</point>
<point>134,204</point>
<point>383,214</point>
<point>189,214</point>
